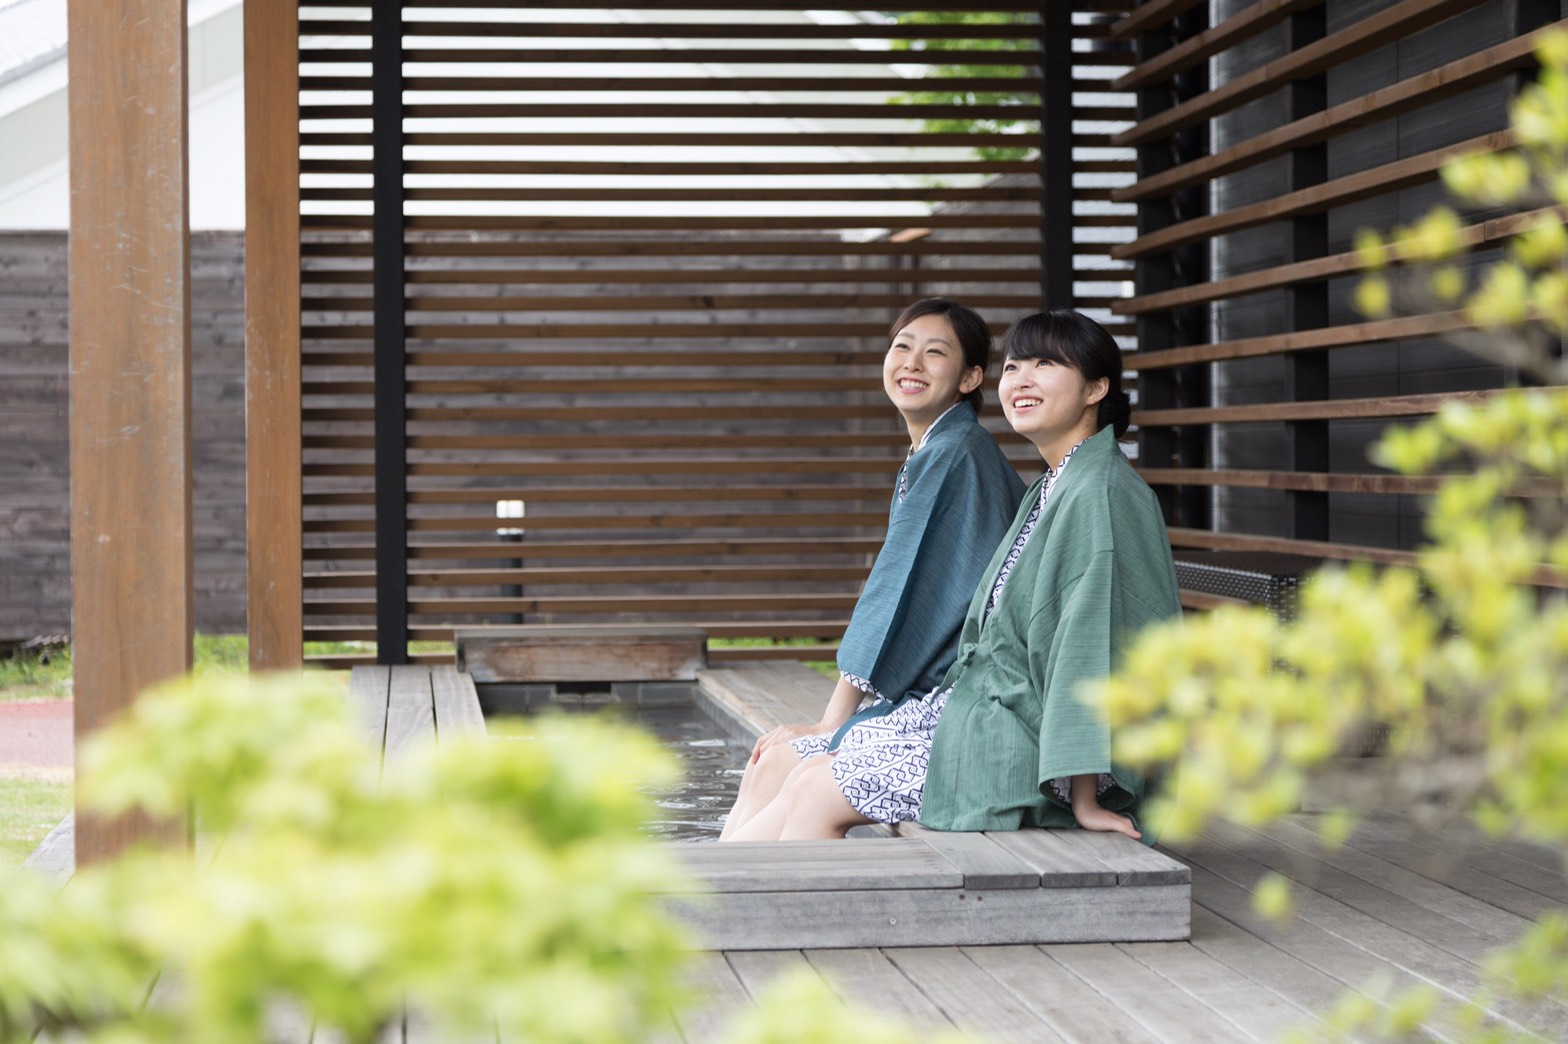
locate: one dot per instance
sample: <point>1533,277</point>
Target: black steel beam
<point>391,453</point>
<point>1056,155</point>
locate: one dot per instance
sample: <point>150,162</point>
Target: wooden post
<point>130,371</point>
<point>272,337</point>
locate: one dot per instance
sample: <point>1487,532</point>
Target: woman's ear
<point>972,379</point>
<point>1096,390</point>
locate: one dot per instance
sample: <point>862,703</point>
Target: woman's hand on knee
<point>785,734</point>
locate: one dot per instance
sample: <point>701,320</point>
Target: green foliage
<point>36,674</point>
<point>493,887</point>
<point>958,98</point>
<point>489,884</point>
<point>1464,659</point>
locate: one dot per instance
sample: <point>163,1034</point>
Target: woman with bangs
<point>1004,741</point>
<point>952,501</point>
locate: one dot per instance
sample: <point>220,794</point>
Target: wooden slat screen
<point>1268,133</point>
<point>650,262</point>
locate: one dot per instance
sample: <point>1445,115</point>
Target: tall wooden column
<point>130,370</point>
<point>273,503</point>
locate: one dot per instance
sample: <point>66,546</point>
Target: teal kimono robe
<point>958,495</point>
<point>1097,569</point>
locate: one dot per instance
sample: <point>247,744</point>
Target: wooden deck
<point>1387,906</point>
<point>1390,905</point>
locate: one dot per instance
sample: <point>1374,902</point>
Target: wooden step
<point>917,887</point>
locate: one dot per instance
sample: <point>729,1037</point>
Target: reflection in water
<point>692,809</point>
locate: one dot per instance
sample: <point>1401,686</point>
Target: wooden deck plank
<point>410,708</point>
<point>1446,870</point>
<point>866,978</point>
<point>1255,1010</point>
<point>758,969</point>
<point>936,917</point>
<point>709,977</point>
<point>1395,946</point>
<point>368,688</point>
<point>1295,982</point>
<point>455,703</point>
<point>1060,999</point>
<point>1497,923</point>
<point>758,697</point>
<point>1336,959</point>
<point>983,862</point>
<point>1501,866</point>
<point>1358,894</point>
<point>972,999</point>
<point>1163,1009</point>
<point>1059,865</point>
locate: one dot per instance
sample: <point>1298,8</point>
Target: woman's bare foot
<point>1091,815</point>
<point>1095,817</point>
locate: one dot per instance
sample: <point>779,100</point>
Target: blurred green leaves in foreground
<point>493,887</point>
<point>1463,658</point>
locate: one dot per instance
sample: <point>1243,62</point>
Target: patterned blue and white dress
<point>881,762</point>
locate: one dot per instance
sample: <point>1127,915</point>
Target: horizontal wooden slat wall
<point>649,262</point>
<point>1269,132</point>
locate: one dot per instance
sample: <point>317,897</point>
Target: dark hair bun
<point>1116,410</point>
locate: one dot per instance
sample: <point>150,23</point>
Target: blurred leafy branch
<point>495,888</point>
<point>959,97</point>
<point>1463,658</point>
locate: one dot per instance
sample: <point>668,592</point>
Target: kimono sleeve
<point>905,623</point>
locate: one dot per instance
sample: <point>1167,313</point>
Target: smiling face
<point>1050,404</point>
<point>924,372</point>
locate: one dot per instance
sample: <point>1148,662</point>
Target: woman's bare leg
<point>817,807</point>
<point>759,785</point>
<point>768,822</point>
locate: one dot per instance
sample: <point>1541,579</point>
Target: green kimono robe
<point>1097,569</point>
<point>958,492</point>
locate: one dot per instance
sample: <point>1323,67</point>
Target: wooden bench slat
<point>410,713</point>
<point>1133,864</point>
<point>985,864</point>
<point>368,688</point>
<point>937,917</point>
<point>848,865</point>
<point>456,704</point>
<point>761,696</point>
<point>542,653</point>
<point>1059,865</point>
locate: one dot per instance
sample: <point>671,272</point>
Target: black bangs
<point>1045,335</point>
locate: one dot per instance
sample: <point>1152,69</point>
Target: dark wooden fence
<point>679,381</point>
<point>35,521</point>
<point>1266,138</point>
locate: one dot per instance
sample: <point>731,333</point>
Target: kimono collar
<point>1052,474</point>
<point>927,436</point>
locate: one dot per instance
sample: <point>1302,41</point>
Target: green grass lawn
<point>29,809</point>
